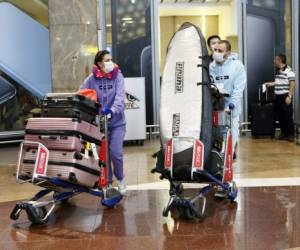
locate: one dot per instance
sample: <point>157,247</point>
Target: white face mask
<point>218,57</point>
<point>108,66</point>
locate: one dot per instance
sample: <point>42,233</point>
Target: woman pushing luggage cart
<point>108,81</point>
<point>68,132</point>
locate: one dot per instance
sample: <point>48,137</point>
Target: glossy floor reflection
<point>263,218</point>
<point>261,158</point>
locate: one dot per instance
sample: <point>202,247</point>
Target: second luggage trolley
<point>56,190</point>
<point>216,174</point>
<point>195,127</point>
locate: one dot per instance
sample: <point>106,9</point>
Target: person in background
<point>212,41</point>
<point>284,90</point>
<point>229,75</point>
<point>108,81</point>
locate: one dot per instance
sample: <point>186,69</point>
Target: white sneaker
<point>122,187</point>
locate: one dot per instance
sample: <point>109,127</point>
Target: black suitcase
<point>69,105</point>
<point>263,118</point>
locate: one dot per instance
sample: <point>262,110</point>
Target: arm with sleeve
<point>118,105</point>
<point>291,78</point>
<point>239,83</point>
<point>86,84</point>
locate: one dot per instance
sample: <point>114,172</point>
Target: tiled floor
<point>263,158</point>
<point>263,218</point>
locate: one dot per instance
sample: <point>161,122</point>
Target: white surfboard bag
<point>186,106</point>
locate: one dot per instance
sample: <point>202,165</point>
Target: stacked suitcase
<point>67,127</point>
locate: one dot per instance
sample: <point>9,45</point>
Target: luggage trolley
<point>216,174</point>
<point>41,206</point>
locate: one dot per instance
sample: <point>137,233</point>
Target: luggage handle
<point>45,137</point>
<point>260,87</point>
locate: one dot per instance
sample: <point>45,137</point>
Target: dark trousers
<point>285,115</point>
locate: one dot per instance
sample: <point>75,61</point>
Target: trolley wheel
<point>37,214</point>
<point>179,189</point>
<point>178,212</point>
<point>15,213</point>
<point>200,205</point>
<point>188,213</point>
<point>65,201</point>
<point>232,194</point>
<point>165,212</point>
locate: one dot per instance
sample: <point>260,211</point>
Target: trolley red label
<point>169,154</point>
<point>216,118</point>
<point>103,178</point>
<point>198,155</point>
<point>228,175</point>
<point>42,161</point>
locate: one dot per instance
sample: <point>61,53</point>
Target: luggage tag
<point>220,87</point>
<point>264,88</point>
<point>98,121</point>
<point>94,149</point>
<point>87,149</point>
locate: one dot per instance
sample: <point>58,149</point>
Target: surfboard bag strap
<point>205,57</point>
<point>203,66</point>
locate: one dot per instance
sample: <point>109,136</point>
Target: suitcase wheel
<point>72,178</point>
<point>78,156</point>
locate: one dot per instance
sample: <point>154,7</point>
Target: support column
<point>73,42</point>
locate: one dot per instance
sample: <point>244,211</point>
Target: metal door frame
<point>242,45</point>
<point>295,57</point>
<point>155,60</point>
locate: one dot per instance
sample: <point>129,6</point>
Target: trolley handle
<point>41,160</point>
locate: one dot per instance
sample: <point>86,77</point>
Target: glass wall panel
<point>15,109</point>
<point>128,29</point>
<point>16,102</point>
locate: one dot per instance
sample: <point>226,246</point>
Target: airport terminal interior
<point>49,46</point>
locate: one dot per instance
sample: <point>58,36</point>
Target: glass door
<point>266,29</point>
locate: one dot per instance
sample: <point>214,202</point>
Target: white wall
<point>227,13</point>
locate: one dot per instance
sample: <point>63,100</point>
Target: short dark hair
<point>227,44</point>
<point>212,37</point>
<point>100,55</point>
<point>282,57</point>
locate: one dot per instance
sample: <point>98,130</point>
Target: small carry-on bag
<point>69,105</point>
<point>263,117</point>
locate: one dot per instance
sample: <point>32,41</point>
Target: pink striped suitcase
<point>69,166</point>
<point>62,133</point>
